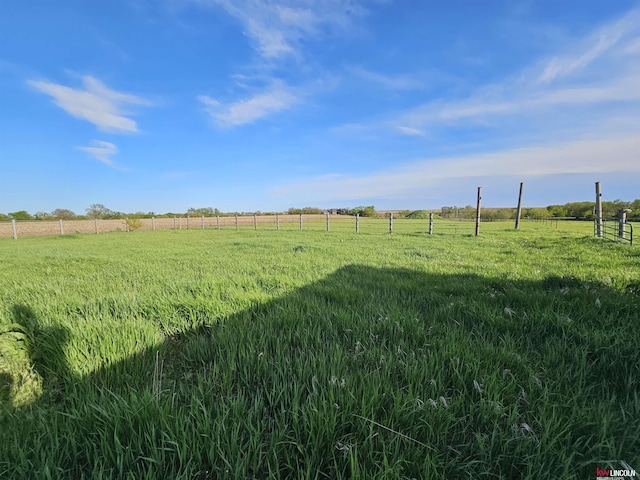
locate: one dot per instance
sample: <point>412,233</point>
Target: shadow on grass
<point>368,373</point>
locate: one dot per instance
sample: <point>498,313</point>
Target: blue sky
<point>246,105</point>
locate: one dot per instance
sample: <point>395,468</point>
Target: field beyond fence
<point>314,222</point>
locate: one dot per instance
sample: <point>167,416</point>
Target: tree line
<point>580,210</point>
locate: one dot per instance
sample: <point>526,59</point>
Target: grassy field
<point>262,354</point>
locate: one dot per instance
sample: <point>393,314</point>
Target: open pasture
<point>206,354</point>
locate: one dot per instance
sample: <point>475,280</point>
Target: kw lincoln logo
<point>612,474</point>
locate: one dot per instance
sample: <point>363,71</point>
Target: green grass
<point>262,354</point>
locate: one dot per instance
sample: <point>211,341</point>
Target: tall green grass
<point>223,354</point>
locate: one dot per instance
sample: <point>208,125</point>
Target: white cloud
<point>596,80</point>
<point>602,156</point>
<point>392,82</point>
<point>94,102</point>
<point>410,131</point>
<point>278,27</point>
<point>594,47</point>
<point>101,150</point>
<point>276,98</point>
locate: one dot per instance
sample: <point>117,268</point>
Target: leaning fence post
<point>14,230</point>
<point>519,209</point>
<point>478,211</point>
<point>357,223</point>
<point>431,224</point>
<point>61,228</point>
<point>390,223</point>
<point>327,221</point>
<point>300,222</point>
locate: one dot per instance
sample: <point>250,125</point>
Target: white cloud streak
<point>602,71</point>
<point>594,47</point>
<point>94,102</point>
<point>602,156</point>
<point>391,82</point>
<point>276,98</point>
<point>101,151</point>
<point>278,28</point>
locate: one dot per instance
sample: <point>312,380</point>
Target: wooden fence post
<point>95,221</point>
<point>478,211</point>
<point>61,228</point>
<point>174,223</point>
<point>357,223</point>
<point>300,222</point>
<point>236,222</point>
<point>327,221</point>
<point>255,223</point>
<point>218,221</point>
<point>390,223</point>
<point>431,224</point>
<point>203,222</point>
<point>598,210</point>
<point>187,222</point>
<point>519,210</point>
<point>14,230</point>
<point>277,222</point>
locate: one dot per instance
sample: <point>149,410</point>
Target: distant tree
<point>206,211</point>
<point>306,210</point>
<point>536,213</point>
<point>97,210</point>
<point>21,215</point>
<point>42,215</point>
<point>4,217</point>
<point>557,210</point>
<point>368,211</point>
<point>63,214</point>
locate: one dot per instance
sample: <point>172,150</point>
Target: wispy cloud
<point>594,47</point>
<point>274,99</point>
<point>571,83</point>
<point>278,28</point>
<point>410,131</point>
<point>94,102</point>
<point>577,157</point>
<point>102,151</point>
<point>391,82</point>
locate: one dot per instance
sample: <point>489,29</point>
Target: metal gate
<point>615,229</point>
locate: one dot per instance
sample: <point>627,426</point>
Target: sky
<point>262,105</point>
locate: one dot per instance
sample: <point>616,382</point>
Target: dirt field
<point>33,228</point>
